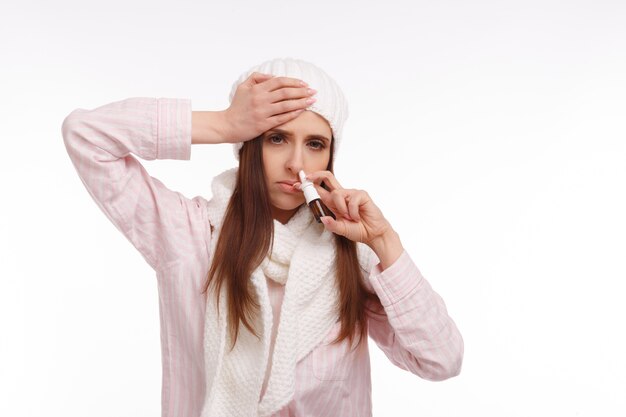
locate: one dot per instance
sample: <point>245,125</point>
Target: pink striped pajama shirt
<point>410,324</point>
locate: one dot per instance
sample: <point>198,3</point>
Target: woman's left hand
<point>358,218</point>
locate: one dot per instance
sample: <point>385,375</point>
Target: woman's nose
<point>296,160</point>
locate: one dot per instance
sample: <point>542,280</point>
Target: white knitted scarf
<point>302,258</point>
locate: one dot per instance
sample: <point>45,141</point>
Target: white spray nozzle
<point>302,176</point>
<point>310,193</point>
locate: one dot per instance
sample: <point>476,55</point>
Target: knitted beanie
<point>331,104</point>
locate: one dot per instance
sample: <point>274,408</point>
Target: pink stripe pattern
<point>410,324</point>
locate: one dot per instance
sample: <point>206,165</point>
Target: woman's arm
<point>159,222</point>
<point>411,324</point>
<point>164,224</point>
<point>208,127</point>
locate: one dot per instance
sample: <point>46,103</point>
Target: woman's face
<point>302,143</point>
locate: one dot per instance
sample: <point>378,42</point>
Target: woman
<point>254,255</point>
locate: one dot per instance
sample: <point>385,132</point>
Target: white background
<point>490,133</point>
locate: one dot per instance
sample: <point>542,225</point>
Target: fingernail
<point>303,83</point>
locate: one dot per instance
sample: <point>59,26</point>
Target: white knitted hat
<point>331,104</point>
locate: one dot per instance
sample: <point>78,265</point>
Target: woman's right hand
<point>262,102</point>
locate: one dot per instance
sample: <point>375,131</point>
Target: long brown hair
<point>248,230</point>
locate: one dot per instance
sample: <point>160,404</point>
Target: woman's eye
<point>271,138</point>
<point>318,145</point>
<point>314,144</point>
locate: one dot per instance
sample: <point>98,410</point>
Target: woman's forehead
<point>306,124</point>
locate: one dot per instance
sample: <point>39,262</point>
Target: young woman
<point>264,311</point>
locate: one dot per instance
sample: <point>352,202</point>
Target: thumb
<point>333,225</point>
<point>257,78</point>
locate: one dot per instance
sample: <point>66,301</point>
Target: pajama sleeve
<point>410,323</point>
<point>160,223</point>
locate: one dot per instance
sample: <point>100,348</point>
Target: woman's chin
<point>288,204</point>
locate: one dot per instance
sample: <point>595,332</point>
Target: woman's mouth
<point>288,188</point>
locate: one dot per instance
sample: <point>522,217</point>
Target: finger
<point>335,226</point>
<point>339,200</point>
<point>290,105</point>
<point>279,82</point>
<point>354,201</point>
<point>287,94</point>
<point>283,118</point>
<point>257,77</point>
<point>326,176</point>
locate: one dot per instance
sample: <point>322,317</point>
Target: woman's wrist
<point>387,248</point>
<point>208,127</point>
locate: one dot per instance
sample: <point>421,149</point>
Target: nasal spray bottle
<point>313,199</point>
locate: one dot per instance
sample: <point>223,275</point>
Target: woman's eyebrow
<point>290,134</point>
